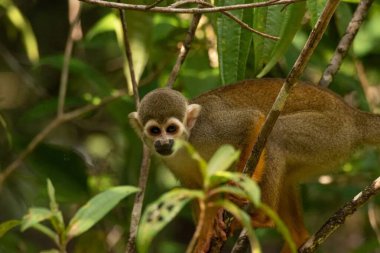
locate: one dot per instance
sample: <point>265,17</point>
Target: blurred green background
<point>99,149</point>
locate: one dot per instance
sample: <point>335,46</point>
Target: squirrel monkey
<point>315,133</point>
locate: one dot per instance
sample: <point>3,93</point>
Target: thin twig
<point>345,43</point>
<point>340,216</point>
<point>50,127</point>
<point>300,64</point>
<point>66,65</point>
<point>184,50</point>
<point>145,164</point>
<point>138,7</point>
<point>139,199</point>
<point>128,53</point>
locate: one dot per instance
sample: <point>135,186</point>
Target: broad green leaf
<point>290,22</point>
<point>247,184</point>
<point>245,220</point>
<point>8,225</point>
<point>222,159</point>
<point>315,8</point>
<point>281,227</point>
<point>158,214</point>
<point>96,208</point>
<point>18,20</point>
<point>35,215</point>
<point>234,43</point>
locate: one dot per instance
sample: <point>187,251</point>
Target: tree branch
<point>340,216</point>
<point>345,43</point>
<point>137,7</point>
<point>66,60</point>
<point>184,50</point>
<point>65,117</point>
<point>128,53</point>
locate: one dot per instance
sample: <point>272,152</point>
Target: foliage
<point>85,218</point>
<point>99,150</point>
<point>217,182</point>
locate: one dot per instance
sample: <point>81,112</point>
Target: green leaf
<point>57,218</point>
<point>18,20</point>
<point>8,225</point>
<point>247,184</point>
<point>51,193</point>
<point>234,190</point>
<point>290,23</point>
<point>158,214</point>
<point>234,43</point>
<point>96,208</point>
<point>222,159</point>
<point>35,215</point>
<point>259,23</point>
<point>105,24</point>
<point>244,219</point>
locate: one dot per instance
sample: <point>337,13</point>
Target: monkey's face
<point>160,135</point>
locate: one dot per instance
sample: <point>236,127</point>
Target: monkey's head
<point>163,116</point>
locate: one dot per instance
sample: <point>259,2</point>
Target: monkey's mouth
<point>165,151</point>
<point>164,148</point>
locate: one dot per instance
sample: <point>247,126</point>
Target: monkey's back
<point>261,93</point>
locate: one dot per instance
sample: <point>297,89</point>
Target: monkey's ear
<point>192,113</point>
<point>135,123</point>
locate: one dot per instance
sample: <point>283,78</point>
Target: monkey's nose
<point>164,147</point>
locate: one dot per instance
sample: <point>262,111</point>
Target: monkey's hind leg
<point>290,211</point>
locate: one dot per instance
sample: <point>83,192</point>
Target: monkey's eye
<point>171,129</point>
<point>154,130</point>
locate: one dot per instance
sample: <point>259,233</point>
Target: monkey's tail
<point>369,126</point>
